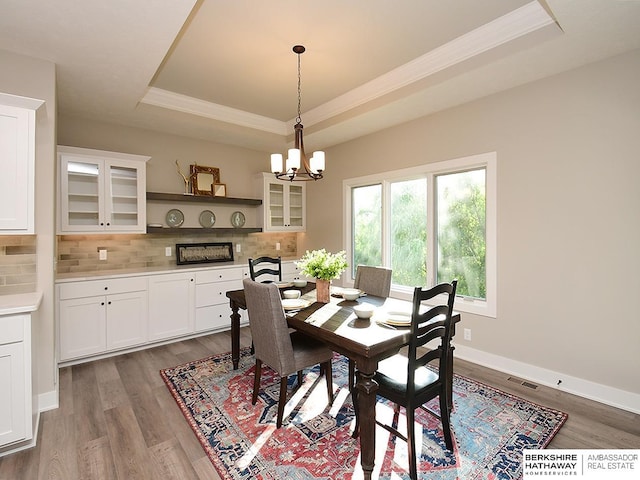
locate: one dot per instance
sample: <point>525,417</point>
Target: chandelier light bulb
<point>276,163</point>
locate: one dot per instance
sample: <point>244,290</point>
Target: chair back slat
<point>270,266</point>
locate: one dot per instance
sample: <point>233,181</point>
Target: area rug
<point>490,427</point>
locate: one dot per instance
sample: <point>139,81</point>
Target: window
<point>429,224</point>
<point>367,226</point>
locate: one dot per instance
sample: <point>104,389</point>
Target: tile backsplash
<point>17,264</point>
<point>79,253</point>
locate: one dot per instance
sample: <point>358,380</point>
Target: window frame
<point>488,161</point>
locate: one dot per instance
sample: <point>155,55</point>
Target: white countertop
<point>132,272</point>
<point>20,303</point>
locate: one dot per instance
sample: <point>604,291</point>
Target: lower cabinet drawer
<point>215,293</point>
<point>213,317</point>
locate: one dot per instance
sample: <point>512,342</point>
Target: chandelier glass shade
<point>297,167</point>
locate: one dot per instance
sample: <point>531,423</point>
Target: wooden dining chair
<point>408,381</point>
<point>271,266</point>
<point>373,281</point>
<point>284,352</point>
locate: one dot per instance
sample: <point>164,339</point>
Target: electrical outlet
<point>238,247</point>
<point>467,334</point>
<point>167,251</point>
<point>102,254</point>
<point>277,245</point>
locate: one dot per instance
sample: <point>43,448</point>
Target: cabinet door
<point>81,193</point>
<point>101,191</point>
<point>276,219</point>
<point>17,162</point>
<point>296,207</point>
<point>13,401</point>
<point>171,305</point>
<point>284,206</point>
<point>124,206</point>
<point>126,319</point>
<point>82,327</point>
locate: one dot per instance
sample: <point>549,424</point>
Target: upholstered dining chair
<point>374,281</point>
<point>284,352</point>
<point>407,381</point>
<point>270,266</point>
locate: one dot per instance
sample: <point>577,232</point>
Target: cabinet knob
<point>106,288</point>
<point>109,303</point>
<point>102,303</point>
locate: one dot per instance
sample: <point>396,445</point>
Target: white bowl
<point>299,283</point>
<point>350,293</point>
<point>363,310</point>
<point>291,294</point>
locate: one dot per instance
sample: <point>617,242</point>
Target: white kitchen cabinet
<point>171,305</point>
<point>98,316</point>
<point>283,206</point>
<point>101,191</point>
<point>18,404</point>
<point>290,271</point>
<point>212,304</point>
<point>17,164</point>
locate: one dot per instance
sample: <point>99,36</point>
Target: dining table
<point>364,341</point>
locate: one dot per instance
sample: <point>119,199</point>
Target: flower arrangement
<point>323,265</point>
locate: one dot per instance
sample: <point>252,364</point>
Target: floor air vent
<point>522,382</point>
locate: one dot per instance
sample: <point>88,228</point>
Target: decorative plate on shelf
<point>207,218</point>
<point>175,217</point>
<point>237,219</point>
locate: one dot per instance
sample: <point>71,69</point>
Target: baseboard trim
<point>593,391</point>
<point>48,401</point>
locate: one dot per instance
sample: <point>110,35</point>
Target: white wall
<point>568,151</point>
<point>30,77</point>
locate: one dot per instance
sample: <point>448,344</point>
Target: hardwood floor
<point>117,420</point>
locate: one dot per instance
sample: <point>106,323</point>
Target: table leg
<point>367,388</point>
<point>235,334</point>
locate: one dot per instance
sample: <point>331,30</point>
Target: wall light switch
<point>467,334</point>
<point>238,247</point>
<point>167,251</point>
<point>277,245</point>
<point>102,254</point>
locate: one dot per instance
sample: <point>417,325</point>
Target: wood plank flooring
<point>117,420</point>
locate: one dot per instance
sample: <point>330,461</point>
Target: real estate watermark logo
<point>582,464</point>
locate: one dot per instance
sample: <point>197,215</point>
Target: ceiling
<point>224,70</point>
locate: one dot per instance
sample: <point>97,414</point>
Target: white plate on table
<point>283,284</point>
<point>294,304</point>
<point>397,319</point>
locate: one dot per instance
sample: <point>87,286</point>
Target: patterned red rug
<point>490,427</point>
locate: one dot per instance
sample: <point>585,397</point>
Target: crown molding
<point>522,21</point>
<point>516,24</point>
<point>202,108</point>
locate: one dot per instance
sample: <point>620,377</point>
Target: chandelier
<point>291,170</point>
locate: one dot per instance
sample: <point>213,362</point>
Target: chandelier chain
<point>298,118</point>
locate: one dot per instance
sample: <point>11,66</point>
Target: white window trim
<point>487,307</point>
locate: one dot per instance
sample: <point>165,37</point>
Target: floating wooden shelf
<point>201,231</point>
<point>178,197</point>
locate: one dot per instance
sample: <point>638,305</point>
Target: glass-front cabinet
<point>101,191</point>
<point>284,204</point>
